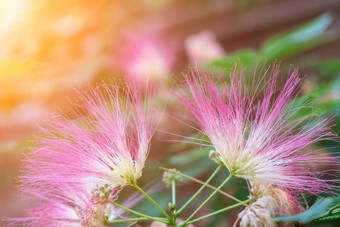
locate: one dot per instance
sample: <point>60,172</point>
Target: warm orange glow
<point>50,48</point>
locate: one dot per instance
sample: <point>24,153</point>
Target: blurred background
<point>49,48</point>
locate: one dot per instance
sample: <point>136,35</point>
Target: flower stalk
<point>151,200</point>
<point>140,214</point>
<point>204,184</point>
<point>207,200</point>
<point>173,192</point>
<point>126,220</point>
<point>173,205</point>
<point>220,211</point>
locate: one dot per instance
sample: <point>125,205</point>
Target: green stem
<point>140,214</point>
<point>199,190</point>
<point>219,211</point>
<point>173,190</point>
<point>205,184</point>
<point>126,220</point>
<point>151,200</point>
<point>207,200</point>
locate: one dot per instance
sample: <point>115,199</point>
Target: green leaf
<point>315,98</point>
<point>330,217</point>
<point>322,208</point>
<point>304,37</point>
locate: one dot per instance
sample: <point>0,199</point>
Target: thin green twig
<point>204,184</point>
<point>191,178</point>
<point>140,214</point>
<point>151,200</point>
<point>207,200</point>
<point>220,211</point>
<point>126,220</point>
<point>173,191</point>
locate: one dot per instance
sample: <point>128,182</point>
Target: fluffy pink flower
<point>78,166</point>
<point>253,130</point>
<point>203,47</point>
<point>146,57</point>
<point>67,206</point>
<point>107,143</point>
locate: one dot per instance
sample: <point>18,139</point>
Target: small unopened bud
<point>213,155</point>
<point>168,177</point>
<point>102,196</point>
<point>108,190</point>
<point>259,213</point>
<point>172,207</point>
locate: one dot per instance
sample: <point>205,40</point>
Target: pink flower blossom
<point>77,167</point>
<point>252,128</point>
<point>67,206</point>
<point>108,143</point>
<point>203,47</point>
<point>146,57</point>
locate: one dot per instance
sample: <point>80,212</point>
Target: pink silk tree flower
<point>252,128</point>
<point>146,57</point>
<point>67,206</point>
<point>203,47</point>
<point>107,144</point>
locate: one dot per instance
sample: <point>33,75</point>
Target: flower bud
<point>213,155</point>
<point>172,207</point>
<point>259,213</point>
<point>168,177</point>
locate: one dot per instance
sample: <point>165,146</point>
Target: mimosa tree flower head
<point>67,206</point>
<point>253,127</point>
<point>107,144</point>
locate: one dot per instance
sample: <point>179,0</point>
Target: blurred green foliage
<point>315,103</point>
<point>296,41</point>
